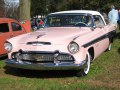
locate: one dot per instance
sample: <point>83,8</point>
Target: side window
<point>98,20</point>
<point>16,27</point>
<point>4,27</point>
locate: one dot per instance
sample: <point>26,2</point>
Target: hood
<point>55,35</point>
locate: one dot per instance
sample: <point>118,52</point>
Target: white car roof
<point>78,11</point>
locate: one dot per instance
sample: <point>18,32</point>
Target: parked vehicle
<point>10,28</point>
<point>69,40</point>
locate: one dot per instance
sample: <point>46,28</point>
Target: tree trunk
<point>24,9</point>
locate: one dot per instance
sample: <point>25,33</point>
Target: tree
<point>11,9</point>
<point>24,9</point>
<point>39,7</point>
<point>2,8</point>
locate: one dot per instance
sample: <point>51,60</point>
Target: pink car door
<point>102,41</point>
<point>5,33</point>
<point>100,36</point>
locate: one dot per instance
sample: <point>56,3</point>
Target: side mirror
<point>92,28</point>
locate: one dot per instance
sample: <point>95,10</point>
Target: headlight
<point>8,46</point>
<point>73,47</point>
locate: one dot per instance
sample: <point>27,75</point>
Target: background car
<point>10,28</point>
<point>69,40</point>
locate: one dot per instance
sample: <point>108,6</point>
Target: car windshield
<point>68,20</point>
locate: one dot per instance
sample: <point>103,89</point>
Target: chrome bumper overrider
<point>44,66</point>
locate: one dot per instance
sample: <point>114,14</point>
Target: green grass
<point>104,75</point>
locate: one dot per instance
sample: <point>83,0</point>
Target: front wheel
<point>86,69</point>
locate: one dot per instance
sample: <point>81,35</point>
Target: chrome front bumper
<point>44,66</point>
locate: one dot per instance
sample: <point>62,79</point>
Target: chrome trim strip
<point>107,35</point>
<point>38,43</point>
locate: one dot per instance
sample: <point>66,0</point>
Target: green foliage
<point>39,7</point>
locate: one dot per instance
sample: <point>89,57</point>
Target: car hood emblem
<point>40,36</point>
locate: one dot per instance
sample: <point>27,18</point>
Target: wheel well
<point>112,36</point>
<point>91,52</point>
<point>111,39</point>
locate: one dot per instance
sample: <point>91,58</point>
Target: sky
<point>12,1</point>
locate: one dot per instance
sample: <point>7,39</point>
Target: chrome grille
<point>43,57</point>
<point>37,57</point>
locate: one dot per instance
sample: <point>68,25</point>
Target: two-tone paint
<point>55,40</point>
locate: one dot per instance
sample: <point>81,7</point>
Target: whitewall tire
<point>109,47</point>
<point>86,69</point>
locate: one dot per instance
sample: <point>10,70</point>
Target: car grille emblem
<point>55,59</point>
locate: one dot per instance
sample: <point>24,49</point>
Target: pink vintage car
<point>68,40</point>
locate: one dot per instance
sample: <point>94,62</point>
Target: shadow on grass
<point>119,50</point>
<point>3,57</point>
<point>40,73</point>
<point>118,35</point>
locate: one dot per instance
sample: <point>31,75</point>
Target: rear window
<point>4,27</point>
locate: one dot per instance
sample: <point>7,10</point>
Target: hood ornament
<point>40,36</point>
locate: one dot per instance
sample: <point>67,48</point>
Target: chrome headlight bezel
<point>8,46</point>
<point>73,47</point>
